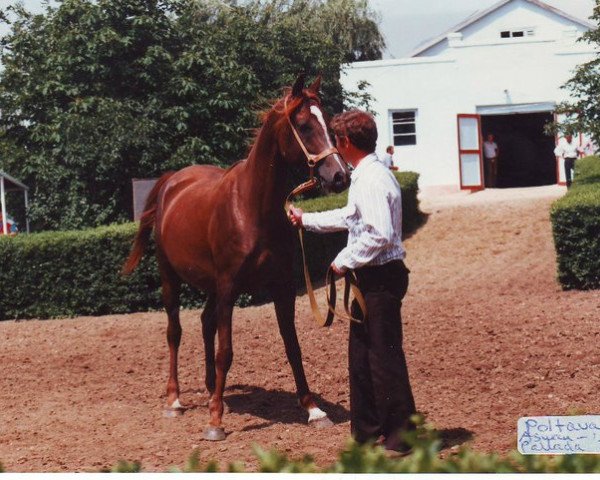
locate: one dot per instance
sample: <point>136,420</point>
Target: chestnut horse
<point>225,232</point>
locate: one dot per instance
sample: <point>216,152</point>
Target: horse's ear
<point>316,85</point>
<point>298,86</point>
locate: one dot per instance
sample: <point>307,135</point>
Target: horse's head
<point>311,142</point>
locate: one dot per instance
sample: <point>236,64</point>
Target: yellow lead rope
<point>351,282</point>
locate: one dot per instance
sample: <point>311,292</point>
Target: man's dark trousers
<point>569,166</point>
<point>381,400</point>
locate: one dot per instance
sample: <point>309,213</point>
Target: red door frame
<point>556,140</point>
<point>478,152</point>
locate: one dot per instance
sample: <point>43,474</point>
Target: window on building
<point>520,33</point>
<point>404,129</point>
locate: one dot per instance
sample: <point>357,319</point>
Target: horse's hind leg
<point>284,297</point>
<point>209,329</point>
<point>171,289</point>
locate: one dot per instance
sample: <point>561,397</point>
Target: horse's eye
<point>304,128</point>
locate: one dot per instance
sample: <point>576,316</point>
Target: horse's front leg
<point>284,297</point>
<point>224,310</point>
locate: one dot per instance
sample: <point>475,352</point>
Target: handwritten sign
<point>559,435</point>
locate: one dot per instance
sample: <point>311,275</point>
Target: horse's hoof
<point>172,412</point>
<point>213,434</point>
<point>321,423</point>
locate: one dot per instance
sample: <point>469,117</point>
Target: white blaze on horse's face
<point>334,173</point>
<point>316,111</point>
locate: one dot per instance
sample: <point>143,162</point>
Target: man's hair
<point>358,126</point>
<point>389,148</point>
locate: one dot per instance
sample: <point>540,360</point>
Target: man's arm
<point>321,222</point>
<point>558,151</point>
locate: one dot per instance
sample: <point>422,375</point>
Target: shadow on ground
<point>277,406</point>
<point>452,437</point>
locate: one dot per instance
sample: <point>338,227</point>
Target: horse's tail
<point>142,237</point>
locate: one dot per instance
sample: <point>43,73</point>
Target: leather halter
<point>351,282</point>
<point>311,159</point>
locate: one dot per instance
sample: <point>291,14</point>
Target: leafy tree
<point>94,93</point>
<point>583,112</point>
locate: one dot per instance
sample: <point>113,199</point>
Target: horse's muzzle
<point>340,182</point>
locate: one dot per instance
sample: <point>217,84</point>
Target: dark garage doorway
<point>526,152</point>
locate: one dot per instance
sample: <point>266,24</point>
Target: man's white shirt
<point>388,160</point>
<point>373,217</point>
<point>566,149</point>
<point>490,149</point>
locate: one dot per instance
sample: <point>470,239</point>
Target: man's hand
<point>340,272</point>
<point>295,216</point>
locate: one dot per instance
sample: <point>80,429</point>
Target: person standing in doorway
<point>381,399</point>
<point>490,154</point>
<point>569,151</point>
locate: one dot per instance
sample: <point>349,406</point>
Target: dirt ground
<point>489,337</point>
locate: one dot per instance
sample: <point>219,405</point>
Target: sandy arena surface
<point>489,337</point>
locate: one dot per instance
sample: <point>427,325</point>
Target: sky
<point>407,23</point>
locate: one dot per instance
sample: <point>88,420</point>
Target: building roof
<point>482,13</point>
<point>11,183</point>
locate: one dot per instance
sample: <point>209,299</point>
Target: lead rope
<point>351,282</point>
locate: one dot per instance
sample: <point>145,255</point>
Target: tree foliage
<point>583,112</point>
<point>95,93</point>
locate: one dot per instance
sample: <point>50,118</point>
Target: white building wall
<point>465,77</point>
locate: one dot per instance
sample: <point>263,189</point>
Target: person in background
<point>388,158</point>
<point>569,151</point>
<point>490,154</point>
<point>381,399</point>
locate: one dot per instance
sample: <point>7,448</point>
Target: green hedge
<point>58,274</point>
<point>426,444</point>
<point>576,228</point>
<point>425,458</point>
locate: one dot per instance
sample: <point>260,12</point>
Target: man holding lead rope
<point>381,399</point>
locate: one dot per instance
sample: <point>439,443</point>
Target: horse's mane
<point>278,106</point>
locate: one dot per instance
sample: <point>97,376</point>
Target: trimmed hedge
<point>576,228</point>
<point>61,274</point>
<point>426,443</point>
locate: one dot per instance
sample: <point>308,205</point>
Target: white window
<point>404,127</point>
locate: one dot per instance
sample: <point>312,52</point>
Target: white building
<point>500,71</point>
